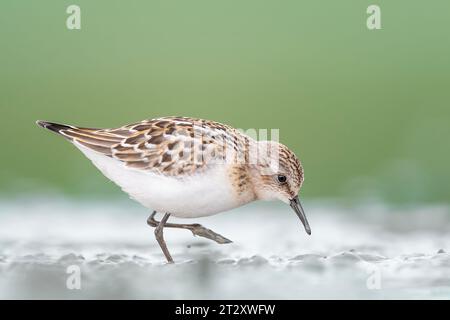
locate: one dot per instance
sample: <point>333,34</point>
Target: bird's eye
<point>281,178</point>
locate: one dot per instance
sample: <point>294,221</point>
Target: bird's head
<point>278,175</point>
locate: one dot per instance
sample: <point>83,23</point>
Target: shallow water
<point>366,252</point>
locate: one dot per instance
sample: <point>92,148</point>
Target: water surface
<point>367,252</point>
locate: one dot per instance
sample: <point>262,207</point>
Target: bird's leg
<point>160,238</point>
<point>196,229</point>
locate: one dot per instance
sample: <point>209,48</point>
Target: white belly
<point>192,196</point>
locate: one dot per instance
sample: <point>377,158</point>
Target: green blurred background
<point>366,111</point>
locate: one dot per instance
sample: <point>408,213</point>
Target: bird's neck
<point>243,183</point>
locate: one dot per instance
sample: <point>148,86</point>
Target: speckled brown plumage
<point>188,167</point>
<point>177,146</point>
<point>159,144</point>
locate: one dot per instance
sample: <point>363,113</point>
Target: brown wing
<point>170,146</point>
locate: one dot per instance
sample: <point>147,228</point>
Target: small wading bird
<point>189,168</point>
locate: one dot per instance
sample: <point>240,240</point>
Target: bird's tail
<point>55,127</point>
<point>95,139</point>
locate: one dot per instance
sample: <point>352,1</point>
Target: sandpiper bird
<point>188,168</point>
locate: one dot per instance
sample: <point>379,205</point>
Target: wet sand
<point>362,252</point>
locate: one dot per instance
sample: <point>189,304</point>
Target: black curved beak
<point>297,207</point>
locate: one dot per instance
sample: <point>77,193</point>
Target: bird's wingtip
<point>52,126</point>
<point>41,123</point>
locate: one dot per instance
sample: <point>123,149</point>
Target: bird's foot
<point>196,229</point>
<point>201,231</point>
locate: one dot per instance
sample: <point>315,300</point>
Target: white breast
<point>192,196</point>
